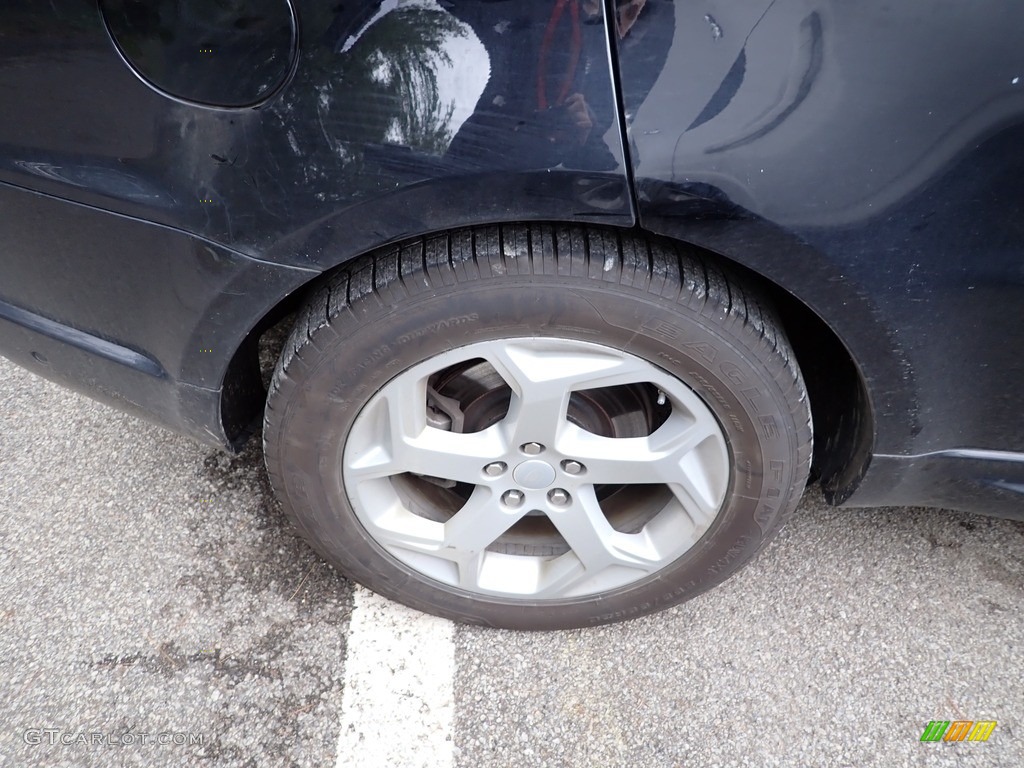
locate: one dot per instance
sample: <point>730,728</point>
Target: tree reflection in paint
<point>373,75</point>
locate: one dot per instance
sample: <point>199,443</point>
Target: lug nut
<point>558,497</point>
<point>513,498</point>
<point>573,467</point>
<point>495,469</point>
<point>531,449</point>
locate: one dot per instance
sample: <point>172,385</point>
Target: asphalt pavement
<point>156,609</point>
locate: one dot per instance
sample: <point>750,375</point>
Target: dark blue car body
<point>175,176</point>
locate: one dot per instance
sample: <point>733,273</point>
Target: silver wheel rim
<point>517,505</point>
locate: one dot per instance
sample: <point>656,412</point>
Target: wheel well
<point>840,407</point>
<point>838,395</point>
<point>247,377</point>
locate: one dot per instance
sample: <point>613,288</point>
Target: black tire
<point>666,305</point>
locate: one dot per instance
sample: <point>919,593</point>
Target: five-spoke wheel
<point>601,470</point>
<point>537,427</point>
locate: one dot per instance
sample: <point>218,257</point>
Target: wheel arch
<point>841,407</point>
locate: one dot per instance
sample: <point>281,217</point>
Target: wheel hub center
<point>534,474</point>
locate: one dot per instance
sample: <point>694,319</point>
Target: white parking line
<point>398,704</point>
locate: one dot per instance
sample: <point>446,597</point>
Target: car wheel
<point>537,427</point>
